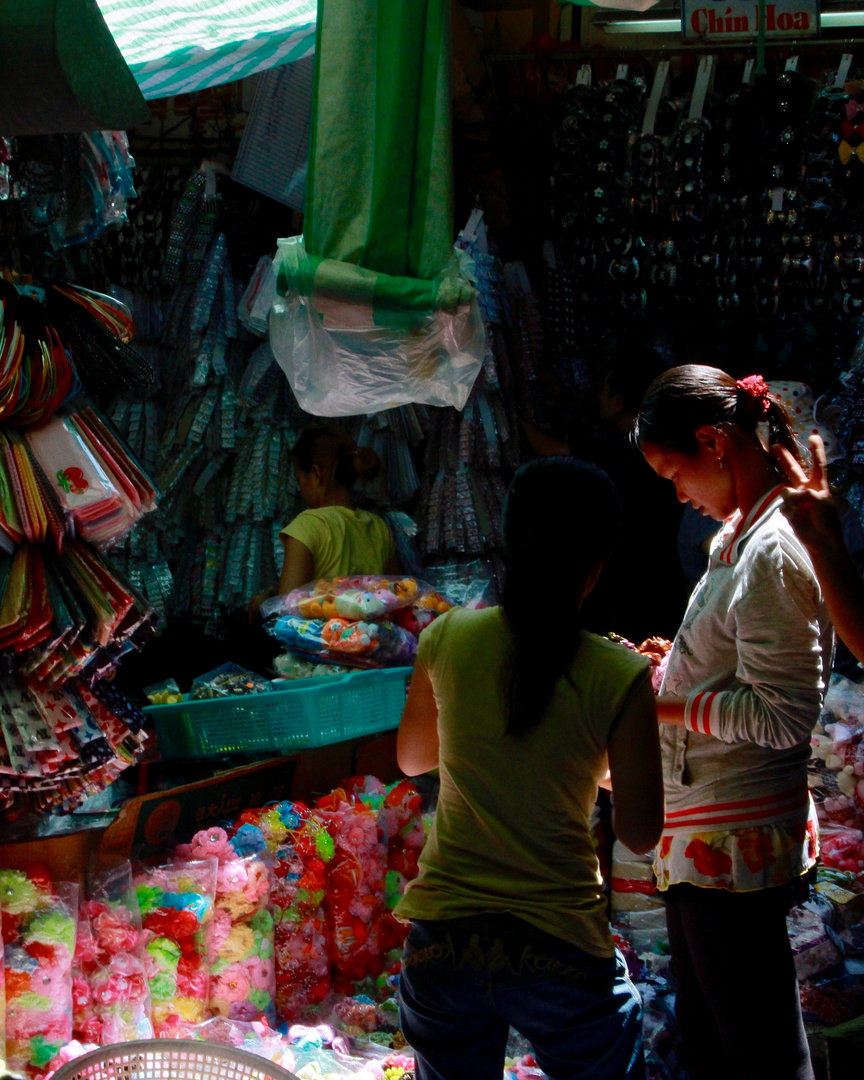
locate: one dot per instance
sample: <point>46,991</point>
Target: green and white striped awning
<point>177,46</point>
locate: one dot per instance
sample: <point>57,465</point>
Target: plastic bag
<point>340,641</point>
<point>353,341</point>
<point>365,598</point>
<point>177,909</point>
<point>354,901</point>
<point>470,585</point>
<point>836,770</point>
<point>39,928</point>
<point>302,935</point>
<point>229,680</point>
<point>166,692</point>
<point>242,969</point>
<point>114,962</point>
<point>291,667</point>
<point>255,1037</point>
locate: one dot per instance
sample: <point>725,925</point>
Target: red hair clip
<point>756,389</point>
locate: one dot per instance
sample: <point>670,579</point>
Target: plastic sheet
<point>352,341</point>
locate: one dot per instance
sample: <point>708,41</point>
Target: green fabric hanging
<point>379,192</point>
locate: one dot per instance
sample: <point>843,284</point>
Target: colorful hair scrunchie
<point>757,390</point>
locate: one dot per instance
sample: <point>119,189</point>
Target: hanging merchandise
<point>470,455</point>
<point>373,309</point>
<point>71,187</point>
<point>52,340</point>
<point>219,425</point>
<point>741,214</point>
<point>69,488</point>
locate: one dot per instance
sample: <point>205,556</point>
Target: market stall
<point>203,828</point>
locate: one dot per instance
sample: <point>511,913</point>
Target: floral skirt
<point>743,860</point>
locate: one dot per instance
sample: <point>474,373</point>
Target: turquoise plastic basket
<point>305,713</point>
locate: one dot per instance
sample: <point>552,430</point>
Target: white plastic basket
<point>171,1059</point>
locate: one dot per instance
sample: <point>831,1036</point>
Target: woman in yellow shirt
<point>331,538</point>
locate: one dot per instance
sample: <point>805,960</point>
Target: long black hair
<point>691,396</point>
<point>561,520</point>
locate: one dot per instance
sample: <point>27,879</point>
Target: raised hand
<point>808,503</point>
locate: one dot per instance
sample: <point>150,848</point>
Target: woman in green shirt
<point>524,714</point>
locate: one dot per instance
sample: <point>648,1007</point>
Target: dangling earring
<point>720,461</point>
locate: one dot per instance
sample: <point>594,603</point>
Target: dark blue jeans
<point>465,982</point>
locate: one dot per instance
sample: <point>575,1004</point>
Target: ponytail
<point>558,513</point>
<point>691,396</point>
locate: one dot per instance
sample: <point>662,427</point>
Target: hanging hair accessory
<point>756,390</point>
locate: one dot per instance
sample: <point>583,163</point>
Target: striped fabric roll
<point>176,48</point>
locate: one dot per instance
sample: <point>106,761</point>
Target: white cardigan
<point>751,660</point>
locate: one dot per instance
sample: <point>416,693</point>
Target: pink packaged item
<point>39,930</point>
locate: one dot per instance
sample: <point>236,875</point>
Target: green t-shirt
<point>511,832</point>
<point>343,542</point>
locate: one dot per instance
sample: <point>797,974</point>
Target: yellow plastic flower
<point>236,905</point>
<point>238,945</point>
<point>189,1009</point>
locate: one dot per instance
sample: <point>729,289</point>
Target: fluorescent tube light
<point>644,26</point>
<point>842,18</point>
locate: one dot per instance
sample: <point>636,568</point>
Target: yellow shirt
<point>343,542</point>
<point>511,831</point>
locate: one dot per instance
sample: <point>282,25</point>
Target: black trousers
<point>736,992</point>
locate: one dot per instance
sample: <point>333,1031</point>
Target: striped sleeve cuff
<point>702,712</point>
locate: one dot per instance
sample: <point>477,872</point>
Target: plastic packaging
<point>355,889</point>
<point>229,680</point>
<point>836,771</point>
<point>166,692</point>
<point>39,928</point>
<point>119,990</point>
<point>366,598</point>
<point>288,666</point>
<point>400,824</point>
<point>354,644</point>
<point>255,1037</point>
<point>302,936</point>
<point>470,585</point>
<point>352,341</point>
<point>242,970</point>
<point>177,909</point>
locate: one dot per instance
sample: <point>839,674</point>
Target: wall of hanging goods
<point>69,489</point>
<point>692,205</point>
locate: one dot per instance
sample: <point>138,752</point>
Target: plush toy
<point>359,605</point>
<point>414,619</point>
<point>431,600</point>
<point>350,637</point>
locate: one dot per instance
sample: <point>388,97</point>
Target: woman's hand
<point>808,503</point>
<point>814,516</point>
<point>255,606</point>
